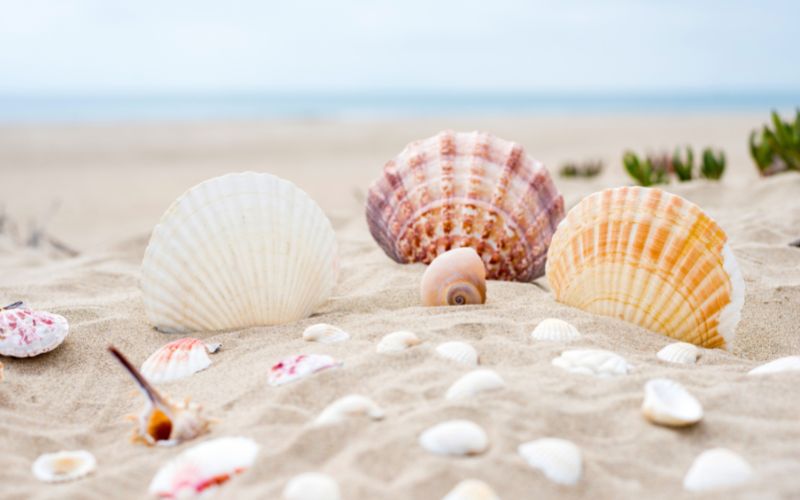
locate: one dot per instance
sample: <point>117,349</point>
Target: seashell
<point>460,189</point>
<point>593,362</point>
<point>352,405</point>
<point>679,352</point>
<point>325,334</point>
<point>2,376</point>
<point>397,341</point>
<point>455,438</point>
<point>786,364</point>
<point>178,359</point>
<point>472,489</point>
<point>236,251</point>
<point>560,460</point>
<point>458,351</point>
<point>299,366</point>
<point>312,486</point>
<point>474,383</point>
<point>650,258</point>
<point>666,402</point>
<point>716,469</point>
<point>204,467</point>
<point>26,333</point>
<point>162,421</point>
<point>454,278</point>
<point>63,466</point>
<point>555,330</point>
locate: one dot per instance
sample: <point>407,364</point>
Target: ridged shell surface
<point>26,333</point>
<point>717,469</point>
<point>560,460</point>
<point>236,251</point>
<point>63,466</point>
<point>597,362</point>
<point>178,359</point>
<point>455,438</point>
<point>679,352</point>
<point>325,334</point>
<point>460,189</point>
<point>651,258</point>
<point>312,486</point>
<point>350,406</point>
<point>472,489</point>
<point>397,342</point>
<point>555,330</point>
<point>785,364</point>
<point>299,366</point>
<point>458,351</point>
<point>475,382</point>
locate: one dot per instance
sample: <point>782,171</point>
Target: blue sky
<point>62,46</point>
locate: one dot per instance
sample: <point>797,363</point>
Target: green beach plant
<point>659,168</point>
<point>777,150</point>
<point>588,169</point>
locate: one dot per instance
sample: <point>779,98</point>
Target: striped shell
<point>458,351</point>
<point>178,359</point>
<point>679,352</point>
<point>397,342</point>
<point>651,258</point>
<point>460,189</point>
<point>235,251</point>
<point>555,330</point>
<point>299,366</point>
<point>26,333</point>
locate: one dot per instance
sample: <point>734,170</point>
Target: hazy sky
<point>201,45</point>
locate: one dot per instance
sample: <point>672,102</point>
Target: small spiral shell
<point>455,278</point>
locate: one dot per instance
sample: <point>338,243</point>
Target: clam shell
<point>63,466</point>
<point>178,359</point>
<point>397,341</point>
<point>555,330</point>
<point>460,189</point>
<point>455,278</point>
<point>716,469</point>
<point>458,351</point>
<point>349,406</point>
<point>560,460</point>
<point>472,489</point>
<point>236,251</point>
<point>312,486</point>
<point>786,364</point>
<point>455,438</point>
<point>650,258</point>
<point>666,402</point>
<point>299,366</point>
<point>474,383</point>
<point>593,362</point>
<point>325,334</point>
<point>204,467</point>
<point>679,352</point>
<point>26,333</point>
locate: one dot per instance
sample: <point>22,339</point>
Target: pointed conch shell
<point>236,251</point>
<point>786,364</point>
<point>474,383</point>
<point>325,334</point>
<point>397,341</point>
<point>555,330</point>
<point>312,486</point>
<point>472,489</point>
<point>679,352</point>
<point>178,359</point>
<point>666,402</point>
<point>63,466</point>
<point>716,469</point>
<point>299,366</point>
<point>596,362</point>
<point>163,421</point>
<point>560,460</point>
<point>455,438</point>
<point>458,351</point>
<point>454,278</point>
<point>26,333</point>
<point>349,406</point>
<point>460,189</point>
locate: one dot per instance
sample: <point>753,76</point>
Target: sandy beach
<point>100,190</point>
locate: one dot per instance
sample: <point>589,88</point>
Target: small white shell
<point>457,351</point>
<point>786,364</point>
<point>178,359</point>
<point>352,405</point>
<point>474,383</point>
<point>679,352</point>
<point>455,438</point>
<point>555,330</point>
<point>593,362</point>
<point>472,489</point>
<point>63,466</point>
<point>312,486</point>
<point>715,469</point>
<point>397,341</point>
<point>666,402</point>
<point>299,366</point>
<point>560,460</point>
<point>325,334</point>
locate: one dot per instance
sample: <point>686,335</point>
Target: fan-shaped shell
<point>312,486</point>
<point>460,189</point>
<point>555,330</point>
<point>455,278</point>
<point>455,438</point>
<point>299,366</point>
<point>472,489</point>
<point>26,333</point>
<point>204,467</point>
<point>178,359</point>
<point>651,258</point>
<point>666,402</point>
<point>593,362</point>
<point>458,351</point>
<point>325,334</point>
<point>560,460</point>
<point>679,352</point>
<point>397,341</point>
<point>352,405</point>
<point>716,469</point>
<point>235,251</point>
<point>63,466</point>
<point>786,364</point>
<point>474,383</point>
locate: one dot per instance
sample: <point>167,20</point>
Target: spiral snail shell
<point>455,278</point>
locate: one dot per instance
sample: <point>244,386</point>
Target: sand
<point>111,184</point>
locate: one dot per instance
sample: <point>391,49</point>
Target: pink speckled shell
<point>299,366</point>
<point>460,189</point>
<point>176,360</point>
<point>25,333</point>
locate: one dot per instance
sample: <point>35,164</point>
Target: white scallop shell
<point>235,251</point>
<point>203,467</point>
<point>312,486</point>
<point>299,366</point>
<point>560,460</point>
<point>352,405</point>
<point>26,333</point>
<point>679,352</point>
<point>458,351</point>
<point>455,438</point>
<point>397,341</point>
<point>666,402</point>
<point>555,330</point>
<point>472,489</point>
<point>474,383</point>
<point>325,334</point>
<point>63,466</point>
<point>786,364</point>
<point>593,362</point>
<point>715,469</point>
<point>178,359</point>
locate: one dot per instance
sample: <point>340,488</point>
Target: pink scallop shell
<point>299,366</point>
<point>178,359</point>
<point>25,333</point>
